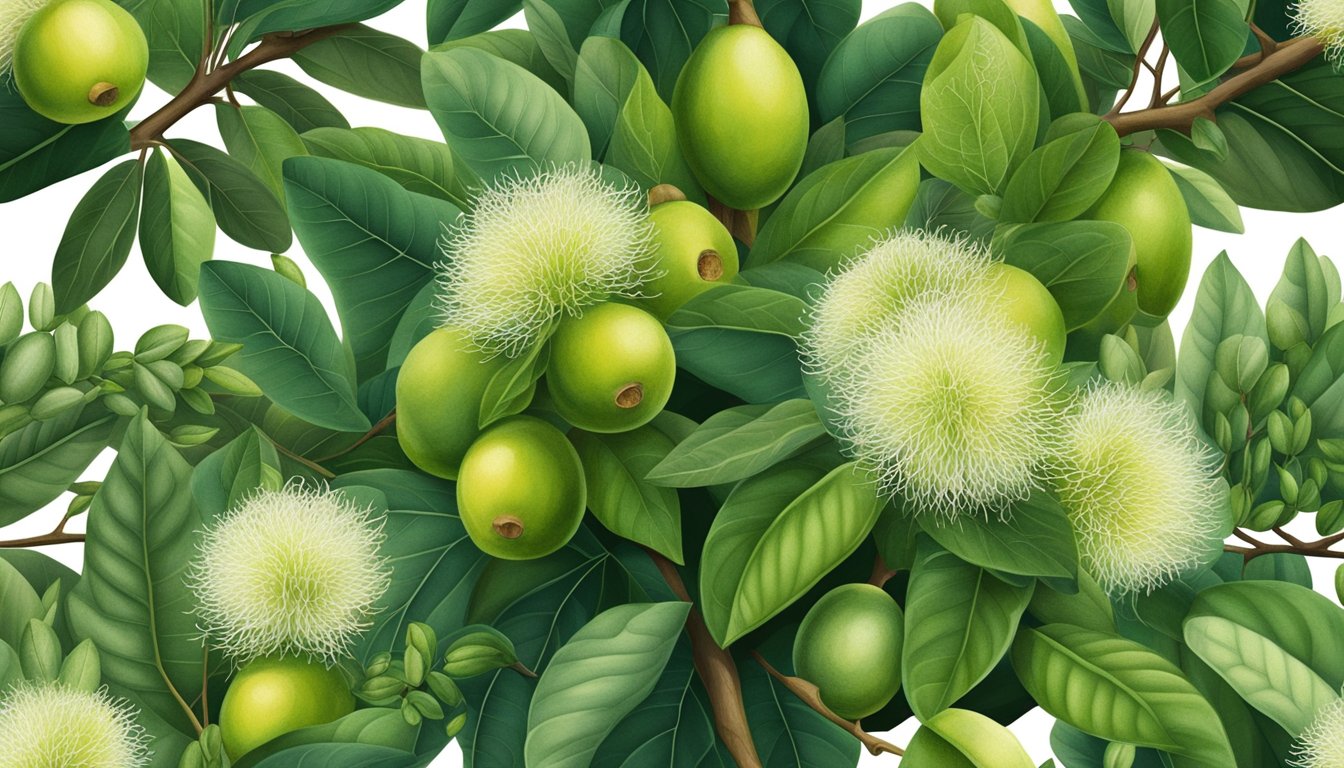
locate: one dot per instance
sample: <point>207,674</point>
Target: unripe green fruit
<point>270,697</point>
<point>439,391</point>
<point>849,646</point>
<point>694,251</point>
<point>1028,303</point>
<point>741,115</point>
<point>27,366</point>
<point>611,369</point>
<point>1145,200</point>
<point>76,61</point>
<point>521,492</point>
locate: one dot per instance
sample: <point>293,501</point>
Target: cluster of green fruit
<point>77,61</point>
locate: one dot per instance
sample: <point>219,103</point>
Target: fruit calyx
<point>630,395</point>
<point>508,526</point>
<point>665,193</point>
<point>709,265</point>
<point>104,94</point>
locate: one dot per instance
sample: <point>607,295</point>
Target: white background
<point>30,229</point>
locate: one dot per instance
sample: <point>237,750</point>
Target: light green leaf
<point>621,498</point>
<point>230,474</point>
<point>177,229</point>
<point>98,237</point>
<point>1301,295</point>
<point>369,63</point>
<point>739,442</point>
<point>245,208</point>
<point>1064,177</point>
<point>605,73</point>
<point>644,141</point>
<point>82,669</point>
<point>374,727</point>
<point>1224,307</point>
<point>1205,36</point>
<point>1035,539</point>
<point>418,165</point>
<point>1209,204</point>
<point>260,140</point>
<point>1134,19</point>
<point>960,738</point>
<point>21,603</point>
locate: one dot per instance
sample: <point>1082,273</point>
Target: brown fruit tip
<point>630,395</point>
<point>1132,280</point>
<point>104,94</point>
<point>709,265</point>
<point>508,526</point>
<point>665,193</point>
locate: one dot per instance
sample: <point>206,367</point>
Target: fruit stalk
<point>743,12</point>
<point>718,672</point>
<point>204,85</point>
<point>810,696</point>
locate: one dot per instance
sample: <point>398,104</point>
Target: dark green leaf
<point>562,26</point>
<point>788,732</point>
<point>36,152</point>
<point>1083,263</point>
<point>259,17</point>
<point>261,140</point>
<point>454,19</point>
<point>809,30</point>
<point>644,141</point>
<point>246,209</point>
<point>419,165</point>
<point>177,229</point>
<point>519,46</point>
<point>175,31</point>
<point>628,505</point>
<point>369,63</point>
<point>299,105</point>
<point>232,473</point>
<point>1205,36</point>
<point>1064,177</point>
<point>1034,540</point>
<point>375,727</point>
<point>605,73</point>
<point>41,460</point>
<point>98,238</point>
<point>662,33</point>
<point>739,442</point>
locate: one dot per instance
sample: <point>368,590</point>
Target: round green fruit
<point>76,61</point>
<point>521,492</point>
<point>849,646</point>
<point>439,389</point>
<point>695,252</point>
<point>611,368</point>
<point>1028,303</point>
<point>270,697</point>
<point>1146,201</point>
<point>741,116</point>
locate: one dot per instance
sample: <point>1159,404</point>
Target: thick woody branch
<point>718,672</point>
<point>1255,548</point>
<point>811,696</point>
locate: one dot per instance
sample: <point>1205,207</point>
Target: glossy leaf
<point>1082,263</point>
<point>245,208</point>
<point>644,141</point>
<point>177,229</point>
<point>960,738</point>
<point>621,498</point>
<point>662,33</point>
<point>809,30</point>
<point>98,237</point>
<point>739,442</point>
<point>1034,539</point>
<point>369,63</point>
<point>175,31</point>
<point>1063,178</point>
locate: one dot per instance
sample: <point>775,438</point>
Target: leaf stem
<point>811,696</point>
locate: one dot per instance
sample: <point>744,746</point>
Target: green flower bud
<point>160,342</point>
<point>427,705</point>
<point>56,401</point>
<point>11,313</point>
<point>42,308</point>
<point>27,366</point>
<point>478,652</point>
<point>95,343</point>
<point>289,269</point>
<point>443,687</point>
<point>66,368</point>
<point>456,725</point>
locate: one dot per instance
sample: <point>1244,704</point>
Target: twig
<point>47,539</point>
<point>811,696</point>
<point>1140,59</point>
<point>376,430</point>
<point>1161,67</point>
<point>1268,44</point>
<point>718,672</point>
<point>881,573</point>
<point>309,463</point>
<point>1295,546</point>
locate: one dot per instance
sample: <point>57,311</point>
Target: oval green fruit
<point>439,391</point>
<point>1145,200</point>
<point>694,252</point>
<point>741,116</point>
<point>611,368</point>
<point>76,61</point>
<point>849,646</point>
<point>1028,303</point>
<point>270,697</point>
<point>521,491</point>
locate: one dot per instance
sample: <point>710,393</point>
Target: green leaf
<point>603,672</point>
<point>562,27</point>
<point>644,141</point>
<point>133,598</point>
<point>453,19</point>
<point>1082,263</point>
<point>620,498</point>
<point>1300,296</point>
<point>82,670</point>
<point>1035,539</point>
<point>300,106</point>
<point>418,165</point>
<point>40,652</point>
<point>1134,19</point>
<point>1224,307</point>
<point>260,140</point>
<point>289,347</point>
<point>1205,36</point>
<point>175,31</point>
<point>21,604</point>
<point>980,108</point>
<point>960,621</point>
<point>259,17</point>
<point>960,738</point>
<point>739,442</point>
<point>1320,384</point>
<point>809,30</point>
<point>662,33</point>
<point>36,152</point>
<point>605,73</point>
<point>939,204</point>
<point>375,244</point>
<point>840,208</point>
<point>246,209</point>
<point>340,756</point>
<point>369,63</point>
<point>787,731</point>
<point>234,472</point>
<point>872,78</point>
<point>745,308</point>
<point>1064,177</point>
<point>498,117</point>
<point>519,46</point>
<point>374,727</point>
<point>177,229</point>
<point>1209,204</point>
<point>40,461</point>
<point>1118,690</point>
<point>776,536</point>
<point>98,238</point>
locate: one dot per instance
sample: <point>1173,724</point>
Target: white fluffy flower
<point>535,249</point>
<point>1321,745</point>
<point>1139,485</point>
<point>295,571</point>
<point>53,726</point>
<point>1324,20</point>
<point>13,15</point>
<point>951,408</point>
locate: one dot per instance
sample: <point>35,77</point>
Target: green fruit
<point>741,116</point>
<point>270,697</point>
<point>76,61</point>
<point>521,492</point>
<point>611,368</point>
<point>1028,303</point>
<point>1145,200</point>
<point>695,252</point>
<point>849,646</point>
<point>439,391</point>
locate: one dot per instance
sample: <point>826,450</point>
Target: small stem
<point>522,669</point>
<point>58,536</point>
<point>205,684</point>
<point>376,430</point>
<point>1268,44</point>
<point>309,463</point>
<point>811,696</point>
<point>1140,61</point>
<point>881,573</point>
<point>743,12</point>
<point>1156,100</point>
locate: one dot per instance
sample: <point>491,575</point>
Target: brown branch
<point>1286,59</point>
<point>1268,44</point>
<point>1294,546</point>
<point>47,539</point>
<point>718,672</point>
<point>1161,67</point>
<point>881,573</point>
<point>205,85</point>
<point>811,696</point>
<point>1140,59</point>
<point>373,432</point>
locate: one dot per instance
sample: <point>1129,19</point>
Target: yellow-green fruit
<point>1028,303</point>
<point>270,697</point>
<point>439,391</point>
<point>741,115</point>
<point>849,646</point>
<point>1146,201</point>
<point>694,252</point>
<point>1042,13</point>
<point>611,368</point>
<point>521,492</point>
<point>76,61</point>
